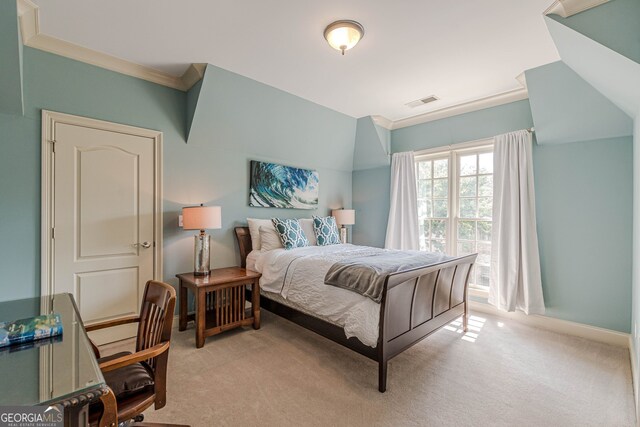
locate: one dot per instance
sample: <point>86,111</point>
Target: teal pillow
<point>290,232</point>
<point>326,230</point>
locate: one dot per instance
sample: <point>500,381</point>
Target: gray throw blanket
<point>366,274</point>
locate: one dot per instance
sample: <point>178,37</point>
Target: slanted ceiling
<point>565,108</point>
<point>613,24</point>
<point>610,72</point>
<point>594,92</point>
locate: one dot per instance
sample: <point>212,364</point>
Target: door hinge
<point>53,232</point>
<point>53,145</point>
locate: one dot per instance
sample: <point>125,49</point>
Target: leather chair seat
<point>133,387</point>
<point>128,380</point>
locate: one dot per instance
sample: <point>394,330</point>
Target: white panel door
<point>103,216</point>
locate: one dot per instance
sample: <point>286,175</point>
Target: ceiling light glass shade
<point>343,35</point>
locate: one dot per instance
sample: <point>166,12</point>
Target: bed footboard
<point>417,303</point>
<point>414,304</point>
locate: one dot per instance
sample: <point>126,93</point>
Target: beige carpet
<point>501,374</point>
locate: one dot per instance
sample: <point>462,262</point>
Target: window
<point>455,201</point>
<point>433,203</point>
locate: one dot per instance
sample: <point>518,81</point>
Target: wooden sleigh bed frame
<point>415,304</point>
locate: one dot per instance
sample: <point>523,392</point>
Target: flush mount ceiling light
<point>343,35</point>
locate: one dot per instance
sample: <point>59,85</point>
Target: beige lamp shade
<point>344,216</point>
<point>202,218</point>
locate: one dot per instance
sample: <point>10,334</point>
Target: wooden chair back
<point>156,315</point>
<point>156,321</point>
<point>244,244</point>
<point>152,346</point>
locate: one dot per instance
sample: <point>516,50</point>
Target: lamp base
<point>202,273</point>
<point>343,234</point>
<point>201,265</point>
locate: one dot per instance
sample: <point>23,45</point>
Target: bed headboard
<point>244,243</point>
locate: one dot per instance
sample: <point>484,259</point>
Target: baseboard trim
<point>594,333</point>
<point>634,379</point>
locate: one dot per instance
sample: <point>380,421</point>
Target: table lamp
<point>343,218</point>
<point>201,218</point>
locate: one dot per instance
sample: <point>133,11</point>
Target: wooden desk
<point>220,301</point>
<point>61,371</point>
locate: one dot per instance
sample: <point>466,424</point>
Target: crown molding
<point>465,107</point>
<point>102,60</point>
<point>567,8</point>
<point>193,75</point>
<point>522,79</point>
<point>28,16</point>
<point>28,20</point>
<point>382,122</point>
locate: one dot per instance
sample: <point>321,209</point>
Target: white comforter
<point>298,276</point>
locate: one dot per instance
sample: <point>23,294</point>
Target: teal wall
<point>602,45</point>
<point>11,63</point>
<point>193,95</point>
<point>384,135</point>
<point>579,188</point>
<point>212,168</point>
<point>237,120</point>
<point>635,325</point>
<point>371,195</point>
<point>372,145</point>
<point>19,207</point>
<point>584,211</point>
<point>371,180</point>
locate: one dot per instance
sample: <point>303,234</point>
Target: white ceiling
<point>457,50</point>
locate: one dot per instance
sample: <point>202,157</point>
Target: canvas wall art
<point>278,186</point>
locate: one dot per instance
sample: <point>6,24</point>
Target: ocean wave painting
<point>279,186</point>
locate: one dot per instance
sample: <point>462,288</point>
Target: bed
<point>414,303</point>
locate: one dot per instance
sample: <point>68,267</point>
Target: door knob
<point>145,245</point>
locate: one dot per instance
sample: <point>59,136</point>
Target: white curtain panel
<point>515,262</point>
<point>402,228</point>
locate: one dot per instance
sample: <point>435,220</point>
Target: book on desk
<point>30,329</point>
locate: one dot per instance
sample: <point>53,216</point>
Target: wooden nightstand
<point>220,301</point>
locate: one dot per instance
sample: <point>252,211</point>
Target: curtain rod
<point>531,129</point>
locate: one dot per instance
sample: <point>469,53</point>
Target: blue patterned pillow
<point>326,230</point>
<point>290,232</point>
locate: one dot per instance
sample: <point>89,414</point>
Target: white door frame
<point>49,120</point>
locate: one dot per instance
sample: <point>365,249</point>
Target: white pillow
<point>254,231</point>
<point>251,260</point>
<point>307,227</point>
<point>269,239</point>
